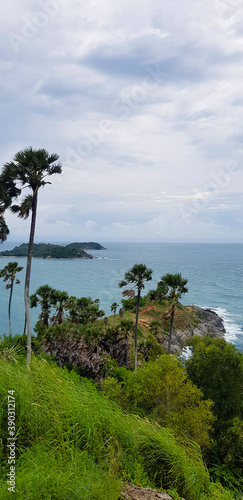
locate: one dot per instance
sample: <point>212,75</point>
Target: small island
<point>52,251</point>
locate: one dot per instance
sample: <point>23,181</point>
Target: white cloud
<point>143,103</point>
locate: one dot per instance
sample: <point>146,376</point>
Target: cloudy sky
<point>143,101</point>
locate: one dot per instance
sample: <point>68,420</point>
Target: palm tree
<point>8,273</point>
<point>176,286</point>
<point>114,307</point>
<point>137,275</point>
<point>28,169</point>
<point>60,299</point>
<point>83,310</point>
<point>45,297</point>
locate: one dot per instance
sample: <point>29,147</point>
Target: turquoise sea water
<point>214,273</point>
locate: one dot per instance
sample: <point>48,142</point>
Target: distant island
<point>51,251</point>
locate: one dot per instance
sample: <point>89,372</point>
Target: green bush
<point>161,391</point>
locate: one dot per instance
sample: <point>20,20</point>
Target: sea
<point>214,273</point>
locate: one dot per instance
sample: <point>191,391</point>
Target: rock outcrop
<point>132,492</point>
<point>207,322</point>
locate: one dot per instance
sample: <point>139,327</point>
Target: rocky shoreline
<point>207,322</point>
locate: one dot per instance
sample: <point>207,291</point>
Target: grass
<point>184,316</point>
<point>73,443</point>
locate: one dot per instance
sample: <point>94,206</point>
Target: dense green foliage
<point>78,310</point>
<point>73,444</point>
<point>217,368</point>
<point>161,391</point>
<point>130,303</point>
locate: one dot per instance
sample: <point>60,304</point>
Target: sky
<point>143,102</point>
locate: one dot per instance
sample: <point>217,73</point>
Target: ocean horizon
<point>214,272</point>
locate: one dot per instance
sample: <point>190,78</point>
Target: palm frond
<point>23,210</point>
<point>4,231</point>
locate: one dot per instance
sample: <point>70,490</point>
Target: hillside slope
<point>74,444</point>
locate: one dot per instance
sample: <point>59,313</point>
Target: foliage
<point>217,368</point>
<point>44,296</point>
<point>8,190</point>
<point>8,273</point>
<point>160,294</point>
<point>161,391</point>
<point>8,350</point>
<point>138,274</point>
<point>91,349</point>
<point>149,348</point>
<point>83,310</point>
<point>75,444</point>
<point>130,304</point>
<point>59,301</point>
<point>155,327</point>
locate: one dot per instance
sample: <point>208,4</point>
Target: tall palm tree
<point>28,169</point>
<point>8,273</point>
<point>176,286</point>
<point>137,275</point>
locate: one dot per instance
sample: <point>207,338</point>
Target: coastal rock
<point>207,322</point>
<point>132,492</point>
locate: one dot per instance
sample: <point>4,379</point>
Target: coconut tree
<point>114,307</point>
<point>137,275</point>
<point>176,287</point>
<point>28,169</point>
<point>8,273</point>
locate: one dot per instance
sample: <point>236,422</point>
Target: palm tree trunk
<point>171,327</point>
<point>9,308</point>
<point>27,276</point>
<point>136,330</point>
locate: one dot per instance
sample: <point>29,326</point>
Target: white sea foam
<point>186,352</point>
<point>233,331</point>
